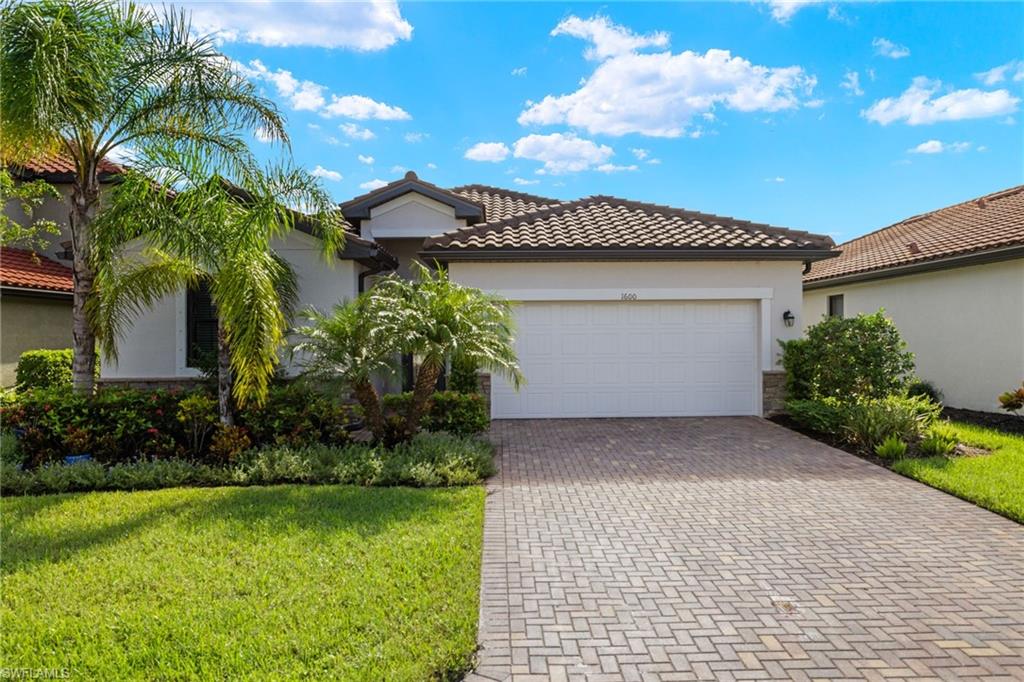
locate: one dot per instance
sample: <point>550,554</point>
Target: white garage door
<point>633,359</point>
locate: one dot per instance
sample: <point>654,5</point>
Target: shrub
<point>462,414</point>
<point>848,359</point>
<point>823,416</point>
<point>44,369</point>
<point>891,448</point>
<point>295,414</point>
<point>1013,401</point>
<point>10,449</point>
<point>870,422</point>
<point>198,416</point>
<point>937,443</point>
<point>925,389</point>
<point>463,377</point>
<point>229,443</point>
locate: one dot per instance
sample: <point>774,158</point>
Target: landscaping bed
<point>278,582</point>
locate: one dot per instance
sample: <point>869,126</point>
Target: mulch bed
<point>791,424</point>
<point>1007,423</point>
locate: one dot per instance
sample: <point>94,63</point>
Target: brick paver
<point>732,548</point>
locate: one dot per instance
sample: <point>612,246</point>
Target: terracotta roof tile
<point>603,222</point>
<point>23,268</point>
<point>59,168</point>
<point>503,203</point>
<point>988,222</point>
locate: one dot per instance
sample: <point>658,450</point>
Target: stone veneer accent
<point>152,384</point>
<point>484,387</point>
<point>773,393</point>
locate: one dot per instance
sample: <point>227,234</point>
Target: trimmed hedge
<point>463,414</point>
<point>44,369</point>
<point>428,460</point>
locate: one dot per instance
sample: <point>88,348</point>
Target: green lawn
<point>277,582</point>
<point>994,481</point>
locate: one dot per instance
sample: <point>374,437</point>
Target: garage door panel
<point>614,358</point>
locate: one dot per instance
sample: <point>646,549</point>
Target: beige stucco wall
<point>782,279</point>
<point>155,346</point>
<point>29,323</point>
<point>964,325</point>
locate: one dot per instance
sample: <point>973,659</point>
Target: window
<point>202,327</point>
<point>835,305</point>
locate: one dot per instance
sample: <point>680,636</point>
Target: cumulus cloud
<point>613,168</point>
<point>361,26</point>
<point>519,71</point>
<point>1013,70</point>
<point>937,147</point>
<point>321,172</point>
<point>778,179</point>
<point>886,48</point>
<point>371,185</point>
<point>488,151</point>
<point>919,106</point>
<point>562,152</point>
<point>606,38</point>
<point>851,83</point>
<point>659,94</point>
<point>639,153</point>
<point>413,138</point>
<point>524,182</point>
<point>784,10</point>
<point>356,132</point>
<point>368,160</point>
<point>361,108</point>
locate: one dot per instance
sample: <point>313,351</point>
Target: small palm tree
<point>438,320</point>
<point>220,231</point>
<point>88,77</point>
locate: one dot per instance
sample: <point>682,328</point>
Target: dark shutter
<point>835,305</point>
<point>202,327</point>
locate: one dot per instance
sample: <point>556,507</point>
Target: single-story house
<point>35,288</point>
<point>953,283</point>
<point>624,308</point>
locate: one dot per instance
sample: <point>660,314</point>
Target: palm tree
<point>88,77</point>
<point>217,230</point>
<point>438,320</point>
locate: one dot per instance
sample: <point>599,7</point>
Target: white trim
<point>766,334</point>
<point>710,294</point>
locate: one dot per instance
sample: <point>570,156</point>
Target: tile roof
<point>26,269</point>
<point>503,203</point>
<point>359,207</point>
<point>603,222</point>
<point>55,167</point>
<point>992,221</point>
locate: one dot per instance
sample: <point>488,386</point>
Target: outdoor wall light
<point>788,318</point>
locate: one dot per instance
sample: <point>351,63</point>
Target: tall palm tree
<point>180,221</point>
<point>88,77</point>
<point>438,320</point>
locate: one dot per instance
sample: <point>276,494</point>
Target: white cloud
<point>886,48</point>
<point>321,172</point>
<point>371,185</point>
<point>918,106</point>
<point>262,135</point>
<point>519,71</point>
<point>487,151</point>
<point>432,166</point>
<point>654,162</point>
<point>851,83</point>
<point>361,26</point>
<point>361,108</point>
<point>398,170</point>
<point>612,168</point>
<point>524,181</point>
<point>659,94</point>
<point>640,154</point>
<point>356,132</point>
<point>937,147</point>
<point>982,148</point>
<point>333,141</point>
<point>607,39</point>
<point>1014,70</point>
<point>313,126</point>
<point>778,179</point>
<point>368,160</point>
<point>814,103</point>
<point>562,153</point>
<point>413,138</point>
<point>783,10</point>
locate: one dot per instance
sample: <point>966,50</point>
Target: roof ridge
<point>503,191</point>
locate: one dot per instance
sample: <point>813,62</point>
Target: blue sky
<point>834,118</point>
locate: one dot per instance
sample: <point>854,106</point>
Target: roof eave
<point>633,254</point>
<point>359,207</point>
<point>942,263</point>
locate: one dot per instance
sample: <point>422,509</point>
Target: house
<point>624,308</point>
<point>953,283</point>
<point>35,288</point>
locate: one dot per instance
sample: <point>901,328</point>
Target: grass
<point>261,583</point>
<point>994,481</point>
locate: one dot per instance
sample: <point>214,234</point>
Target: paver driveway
<point>734,548</point>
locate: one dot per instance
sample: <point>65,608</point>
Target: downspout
<point>375,270</point>
<point>807,267</point>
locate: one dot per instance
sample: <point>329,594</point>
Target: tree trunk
<point>224,379</point>
<point>426,384</point>
<point>85,194</point>
<point>368,399</point>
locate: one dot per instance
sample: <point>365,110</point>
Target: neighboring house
<point>625,308</point>
<point>35,288</point>
<point>953,283</point>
